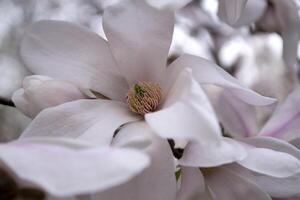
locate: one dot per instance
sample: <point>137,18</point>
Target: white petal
<point>65,51</point>
<point>63,171</point>
<point>192,185</point>
<point>230,10</point>
<point>253,11</point>
<point>270,162</point>
<point>206,72</point>
<point>237,117</point>
<point>92,120</point>
<point>210,155</point>
<point>156,182</point>
<point>227,185</point>
<point>168,4</point>
<point>40,93</point>
<point>139,37</point>
<point>285,121</point>
<point>186,113</point>
<point>277,187</point>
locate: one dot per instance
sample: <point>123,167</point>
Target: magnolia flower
<point>128,71</point>
<point>282,125</point>
<point>275,16</point>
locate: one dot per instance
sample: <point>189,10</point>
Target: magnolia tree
<point>156,100</point>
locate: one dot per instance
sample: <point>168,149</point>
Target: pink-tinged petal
<point>276,187</point>
<point>204,154</point>
<point>270,162</point>
<point>186,113</point>
<point>206,72</point>
<point>39,93</point>
<point>253,11</point>
<point>237,117</point>
<point>63,171</point>
<point>227,185</point>
<point>66,51</point>
<point>230,10</point>
<point>158,180</point>
<point>289,20</point>
<point>94,121</point>
<point>168,4</point>
<point>192,185</point>
<point>285,122</point>
<point>139,37</point>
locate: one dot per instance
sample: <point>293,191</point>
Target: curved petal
<point>237,117</point>
<point>192,185</point>
<point>206,72</point>
<point>211,155</point>
<point>230,10</point>
<point>276,187</point>
<point>40,92</point>
<point>63,172</point>
<point>94,121</point>
<point>270,162</point>
<point>66,51</point>
<point>186,113</point>
<point>253,11</point>
<point>157,181</point>
<point>227,185</point>
<point>285,121</point>
<point>139,37</point>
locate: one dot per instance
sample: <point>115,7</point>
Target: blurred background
<point>252,53</point>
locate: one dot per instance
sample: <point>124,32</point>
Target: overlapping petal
<point>206,72</point>
<point>40,92</point>
<point>187,111</point>
<point>66,51</point>
<point>227,185</point>
<point>205,154</point>
<point>139,37</point>
<point>63,172</point>
<point>168,4</point>
<point>158,180</point>
<point>91,120</point>
<point>285,121</point>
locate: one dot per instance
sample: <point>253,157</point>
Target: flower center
<point>143,97</point>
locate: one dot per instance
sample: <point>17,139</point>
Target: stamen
<point>144,97</point>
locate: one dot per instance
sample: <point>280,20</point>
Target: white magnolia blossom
<point>141,103</point>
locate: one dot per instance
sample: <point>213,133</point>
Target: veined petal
<point>203,154</point>
<point>206,72</point>
<point>139,37</point>
<point>285,121</point>
<point>227,185</point>
<point>186,113</point>
<point>230,10</point>
<point>92,120</point>
<point>66,51</point>
<point>63,171</point>
<point>192,185</point>
<point>158,180</point>
<point>40,92</point>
